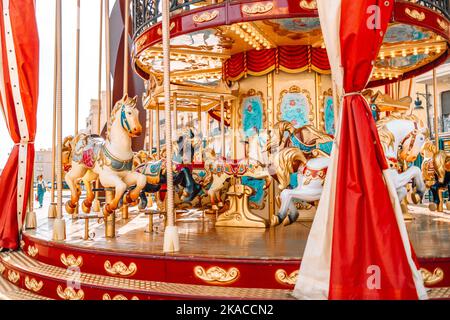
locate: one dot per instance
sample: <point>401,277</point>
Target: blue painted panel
<point>257,185</point>
<point>295,109</point>
<point>329,116</point>
<point>252,115</point>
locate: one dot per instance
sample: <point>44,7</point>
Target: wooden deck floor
<point>429,233</point>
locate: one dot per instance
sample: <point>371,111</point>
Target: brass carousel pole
<point>125,213</point>
<point>125,46</point>
<point>77,69</point>
<point>59,225</point>
<point>77,85</point>
<point>222,126</point>
<point>200,127</point>
<point>436,123</point>
<point>171,240</point>
<point>110,221</point>
<point>96,203</point>
<point>158,133</point>
<point>52,207</point>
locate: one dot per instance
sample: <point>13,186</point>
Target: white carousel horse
<point>402,141</point>
<point>396,132</point>
<point>110,159</point>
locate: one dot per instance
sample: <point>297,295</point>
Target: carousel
<point>241,111</point>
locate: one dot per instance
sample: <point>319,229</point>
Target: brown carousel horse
<point>111,160</point>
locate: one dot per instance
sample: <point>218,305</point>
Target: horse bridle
<point>412,134</point>
<point>124,121</point>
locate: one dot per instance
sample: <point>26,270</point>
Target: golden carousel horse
<point>436,173</point>
<point>88,157</point>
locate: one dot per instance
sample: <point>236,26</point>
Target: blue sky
<point>45,12</point>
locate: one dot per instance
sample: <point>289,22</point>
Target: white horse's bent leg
<point>71,178</point>
<point>111,180</point>
<point>138,179</point>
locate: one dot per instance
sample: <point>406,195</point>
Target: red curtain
<point>18,99</point>
<point>287,58</point>
<point>366,236</point>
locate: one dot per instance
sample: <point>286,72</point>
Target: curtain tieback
<point>356,93</point>
<point>23,142</point>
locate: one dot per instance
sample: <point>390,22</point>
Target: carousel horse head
<point>126,115</point>
<point>401,137</point>
<point>184,145</point>
<point>412,144</point>
<point>277,136</point>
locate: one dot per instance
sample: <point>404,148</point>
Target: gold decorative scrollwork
<point>205,16</point>
<point>308,5</point>
<point>32,251</point>
<point>13,276</point>
<point>443,24</point>
<point>2,268</point>
<point>118,297</point>
<point>172,25</point>
<point>141,41</point>
<point>282,277</point>
<point>33,285</point>
<point>432,278</point>
<point>120,269</point>
<point>22,244</point>
<point>419,16</point>
<point>71,261</point>
<point>217,275</point>
<point>257,8</point>
<point>70,293</point>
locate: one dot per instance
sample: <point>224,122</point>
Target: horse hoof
<point>286,221</point>
<point>86,206</point>
<point>447,205</point>
<point>432,206</point>
<point>415,198</point>
<point>107,210</point>
<point>275,221</point>
<point>69,208</point>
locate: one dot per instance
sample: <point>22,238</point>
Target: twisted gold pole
<point>59,226</point>
<point>77,69</point>
<point>96,203</point>
<point>52,207</point>
<point>436,124</point>
<point>108,62</point>
<point>171,241</point>
<point>125,46</point>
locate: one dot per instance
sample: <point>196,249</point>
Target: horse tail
<point>286,162</point>
<point>277,139</point>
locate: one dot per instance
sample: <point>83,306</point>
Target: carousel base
<point>213,262</point>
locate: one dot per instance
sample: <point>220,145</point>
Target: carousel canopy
<point>232,39</point>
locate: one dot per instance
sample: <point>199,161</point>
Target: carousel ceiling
<point>198,57</point>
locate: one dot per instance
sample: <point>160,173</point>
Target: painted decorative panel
<point>252,113</point>
<point>257,199</point>
<point>295,106</point>
<point>327,112</point>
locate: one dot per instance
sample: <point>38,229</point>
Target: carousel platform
<point>213,263</point>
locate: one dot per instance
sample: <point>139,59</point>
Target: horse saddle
<point>87,150</point>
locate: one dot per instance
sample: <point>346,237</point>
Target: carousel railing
<point>148,12</point>
<point>441,6</point>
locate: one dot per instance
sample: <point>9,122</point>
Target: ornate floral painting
<point>295,106</point>
<point>252,113</point>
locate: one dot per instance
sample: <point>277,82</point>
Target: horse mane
<point>386,137</point>
<point>276,139</point>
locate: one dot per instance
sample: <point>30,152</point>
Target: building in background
<point>424,100</point>
<point>43,164</point>
<point>92,119</point>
